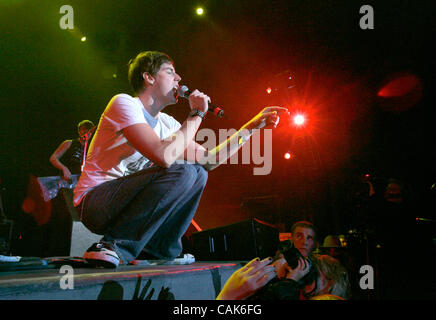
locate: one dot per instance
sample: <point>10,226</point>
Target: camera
<point>291,256</point>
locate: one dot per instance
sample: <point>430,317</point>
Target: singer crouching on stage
<point>142,180</point>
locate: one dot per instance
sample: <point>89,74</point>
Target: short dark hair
<point>146,61</point>
<point>85,123</point>
<point>304,224</point>
<point>394,181</point>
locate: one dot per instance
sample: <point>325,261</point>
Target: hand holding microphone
<point>184,92</point>
<point>198,101</point>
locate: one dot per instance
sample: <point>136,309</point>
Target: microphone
<point>185,92</point>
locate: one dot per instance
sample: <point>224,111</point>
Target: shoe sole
<point>102,259</point>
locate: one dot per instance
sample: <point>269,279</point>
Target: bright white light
<point>299,119</point>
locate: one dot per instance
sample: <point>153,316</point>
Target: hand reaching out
<point>247,280</point>
<point>268,116</point>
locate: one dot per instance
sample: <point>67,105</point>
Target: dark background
<point>50,81</point>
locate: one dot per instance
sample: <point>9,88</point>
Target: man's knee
<point>202,174</point>
<point>188,173</point>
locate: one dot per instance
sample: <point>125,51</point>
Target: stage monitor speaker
<point>81,239</point>
<point>67,236</point>
<point>244,240</point>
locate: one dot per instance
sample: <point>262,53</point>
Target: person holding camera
<point>296,276</point>
<point>274,278</point>
<point>293,274</point>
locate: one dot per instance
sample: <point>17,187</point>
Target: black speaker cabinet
<point>239,241</point>
<point>5,236</point>
<point>67,236</point>
<point>57,238</point>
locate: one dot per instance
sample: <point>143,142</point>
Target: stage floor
<point>197,281</point>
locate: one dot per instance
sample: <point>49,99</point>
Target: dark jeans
<point>149,210</point>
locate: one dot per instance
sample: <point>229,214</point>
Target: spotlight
<point>287,155</point>
<point>268,90</point>
<point>199,11</point>
<point>83,39</point>
<point>299,119</point>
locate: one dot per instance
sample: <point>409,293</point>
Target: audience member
<point>333,247</point>
<point>322,277</point>
<point>300,274</point>
<point>392,219</point>
<point>333,278</point>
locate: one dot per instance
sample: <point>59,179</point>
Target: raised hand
<point>247,280</point>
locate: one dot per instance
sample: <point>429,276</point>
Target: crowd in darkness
<point>388,256</point>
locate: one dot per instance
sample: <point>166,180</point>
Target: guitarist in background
<point>68,157</point>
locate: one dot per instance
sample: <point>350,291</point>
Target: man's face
<point>333,252</point>
<point>166,84</point>
<point>393,193</point>
<point>304,240</point>
<point>83,130</point>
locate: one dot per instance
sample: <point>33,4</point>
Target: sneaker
<point>186,258</point>
<point>102,255</point>
<point>183,259</point>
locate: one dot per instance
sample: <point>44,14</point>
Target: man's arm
<point>165,152</point>
<point>59,152</point>
<point>162,152</point>
<point>217,156</point>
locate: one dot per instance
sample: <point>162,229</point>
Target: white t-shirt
<point>110,156</point>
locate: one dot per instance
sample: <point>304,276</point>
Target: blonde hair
<point>88,124</point>
<point>326,297</point>
<point>338,283</point>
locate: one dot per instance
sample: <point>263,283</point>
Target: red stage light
<point>268,90</point>
<point>399,86</point>
<point>402,92</point>
<point>287,156</point>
